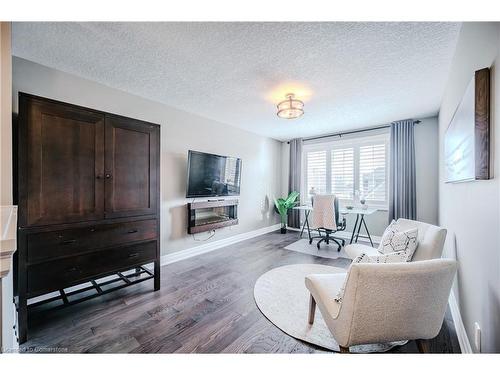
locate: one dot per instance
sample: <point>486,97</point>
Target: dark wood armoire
<point>88,195</point>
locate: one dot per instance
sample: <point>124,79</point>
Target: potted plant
<point>283,205</point>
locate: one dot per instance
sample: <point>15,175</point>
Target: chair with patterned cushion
<point>383,302</point>
<point>430,241</point>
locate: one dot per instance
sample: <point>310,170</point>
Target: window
<point>316,171</point>
<point>342,173</point>
<point>349,168</point>
<point>372,172</point>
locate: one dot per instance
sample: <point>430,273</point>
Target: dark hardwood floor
<point>205,305</point>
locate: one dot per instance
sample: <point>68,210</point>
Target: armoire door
<point>61,171</point>
<point>131,172</point>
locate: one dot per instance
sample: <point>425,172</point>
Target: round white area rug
<point>281,295</point>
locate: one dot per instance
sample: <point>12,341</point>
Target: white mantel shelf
<point>8,230</point>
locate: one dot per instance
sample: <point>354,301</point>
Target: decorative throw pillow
<point>398,241</point>
<point>396,257</point>
<point>362,258</point>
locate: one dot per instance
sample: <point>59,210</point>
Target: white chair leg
<point>312,309</point>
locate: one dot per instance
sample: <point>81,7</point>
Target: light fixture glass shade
<point>290,108</point>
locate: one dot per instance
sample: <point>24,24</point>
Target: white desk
<point>360,221</point>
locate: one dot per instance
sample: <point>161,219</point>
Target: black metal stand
<point>360,220</point>
<point>143,273</point>
<point>327,237</point>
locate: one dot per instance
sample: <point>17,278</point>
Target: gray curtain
<point>294,178</point>
<point>402,182</point>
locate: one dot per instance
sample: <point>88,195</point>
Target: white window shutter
<point>372,172</point>
<point>316,171</point>
<point>344,167</point>
<point>342,173</point>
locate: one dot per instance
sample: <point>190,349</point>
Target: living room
<point>249,187</point>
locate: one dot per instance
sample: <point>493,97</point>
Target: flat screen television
<point>212,175</point>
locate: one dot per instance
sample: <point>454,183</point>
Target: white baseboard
<point>214,245</point>
<point>463,340</point>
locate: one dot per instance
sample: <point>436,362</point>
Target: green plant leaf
<point>291,199</point>
<point>280,205</point>
<point>285,204</point>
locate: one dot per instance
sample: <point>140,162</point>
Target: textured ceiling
<point>350,75</point>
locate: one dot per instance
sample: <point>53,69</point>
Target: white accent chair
<point>384,302</point>
<point>430,241</point>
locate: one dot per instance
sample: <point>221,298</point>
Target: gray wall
<point>426,155</point>
<point>470,211</point>
<point>180,131</point>
<point>427,169</point>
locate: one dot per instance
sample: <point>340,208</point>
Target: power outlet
<point>477,337</point>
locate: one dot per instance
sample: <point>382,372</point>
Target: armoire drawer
<point>48,245</point>
<point>62,273</point>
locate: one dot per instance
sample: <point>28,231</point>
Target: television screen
<point>212,175</point>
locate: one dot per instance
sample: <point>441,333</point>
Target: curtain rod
<point>340,134</point>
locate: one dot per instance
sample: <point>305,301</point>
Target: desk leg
<point>308,228</point>
<point>303,227</point>
<point>367,233</point>
<point>359,226</point>
<point>354,229</point>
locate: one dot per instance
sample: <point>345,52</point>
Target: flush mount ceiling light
<point>290,108</point>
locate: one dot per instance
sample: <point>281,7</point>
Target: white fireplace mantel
<point>8,230</point>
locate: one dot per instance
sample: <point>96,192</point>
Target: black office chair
<point>326,234</point>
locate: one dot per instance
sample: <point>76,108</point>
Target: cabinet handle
<point>134,255</point>
<point>72,269</point>
<point>68,242</point>
<point>132,231</point>
<point>108,176</point>
<point>92,229</point>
